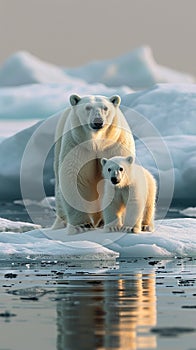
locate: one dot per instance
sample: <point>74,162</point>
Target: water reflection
<point>107,314</point>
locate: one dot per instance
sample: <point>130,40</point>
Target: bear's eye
<point>88,107</point>
<point>105,108</point>
<point>109,169</point>
<point>121,169</point>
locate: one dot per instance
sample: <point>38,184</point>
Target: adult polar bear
<point>92,128</point>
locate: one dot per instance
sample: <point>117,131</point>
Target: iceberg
<point>162,119</point>
<point>40,101</point>
<point>163,122</point>
<point>137,69</point>
<point>22,68</point>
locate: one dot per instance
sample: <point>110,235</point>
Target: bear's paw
<point>148,228</point>
<point>127,229</point>
<point>88,226</point>
<point>108,228</point>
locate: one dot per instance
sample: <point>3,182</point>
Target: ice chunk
<point>16,226</point>
<point>37,246</point>
<point>191,211</point>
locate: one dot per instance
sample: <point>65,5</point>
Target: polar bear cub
<point>129,196</point>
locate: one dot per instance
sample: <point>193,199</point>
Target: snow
<point>172,238</point>
<point>10,127</point>
<point>16,226</point>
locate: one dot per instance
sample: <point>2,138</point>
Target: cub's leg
<point>149,212</point>
<point>138,225</point>
<point>133,217</point>
<point>148,219</point>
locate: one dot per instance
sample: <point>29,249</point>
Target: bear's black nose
<point>114,180</point>
<point>97,123</point>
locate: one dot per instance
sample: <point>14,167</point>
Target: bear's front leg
<point>79,222</point>
<point>58,224</point>
<point>112,219</point>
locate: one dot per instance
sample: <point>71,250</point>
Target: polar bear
<point>92,128</point>
<point>129,196</point>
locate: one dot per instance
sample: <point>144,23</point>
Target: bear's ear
<point>103,161</point>
<point>129,159</point>
<point>116,100</point>
<point>74,99</point>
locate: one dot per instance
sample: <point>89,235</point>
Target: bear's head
<point>117,170</point>
<point>95,111</point>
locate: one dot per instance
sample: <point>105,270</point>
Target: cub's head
<point>117,169</point>
<point>95,112</point>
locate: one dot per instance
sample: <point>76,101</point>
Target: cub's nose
<point>114,180</point>
<point>97,123</point>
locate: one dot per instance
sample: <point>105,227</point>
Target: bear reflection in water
<point>107,314</point>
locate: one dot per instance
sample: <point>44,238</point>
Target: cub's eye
<point>88,107</point>
<point>121,169</point>
<point>105,108</point>
<point>109,169</point>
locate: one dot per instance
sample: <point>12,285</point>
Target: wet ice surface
<point>134,304</point>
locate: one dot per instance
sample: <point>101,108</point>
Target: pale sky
<point>73,32</point>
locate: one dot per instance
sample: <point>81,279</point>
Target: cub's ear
<point>74,99</point>
<point>103,161</point>
<point>129,159</point>
<point>116,100</point>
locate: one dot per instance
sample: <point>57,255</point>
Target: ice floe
<point>172,238</point>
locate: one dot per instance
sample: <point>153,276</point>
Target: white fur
<point>129,204</point>
<point>78,150</point>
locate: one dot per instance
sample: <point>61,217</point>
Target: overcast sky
<point>73,32</point>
